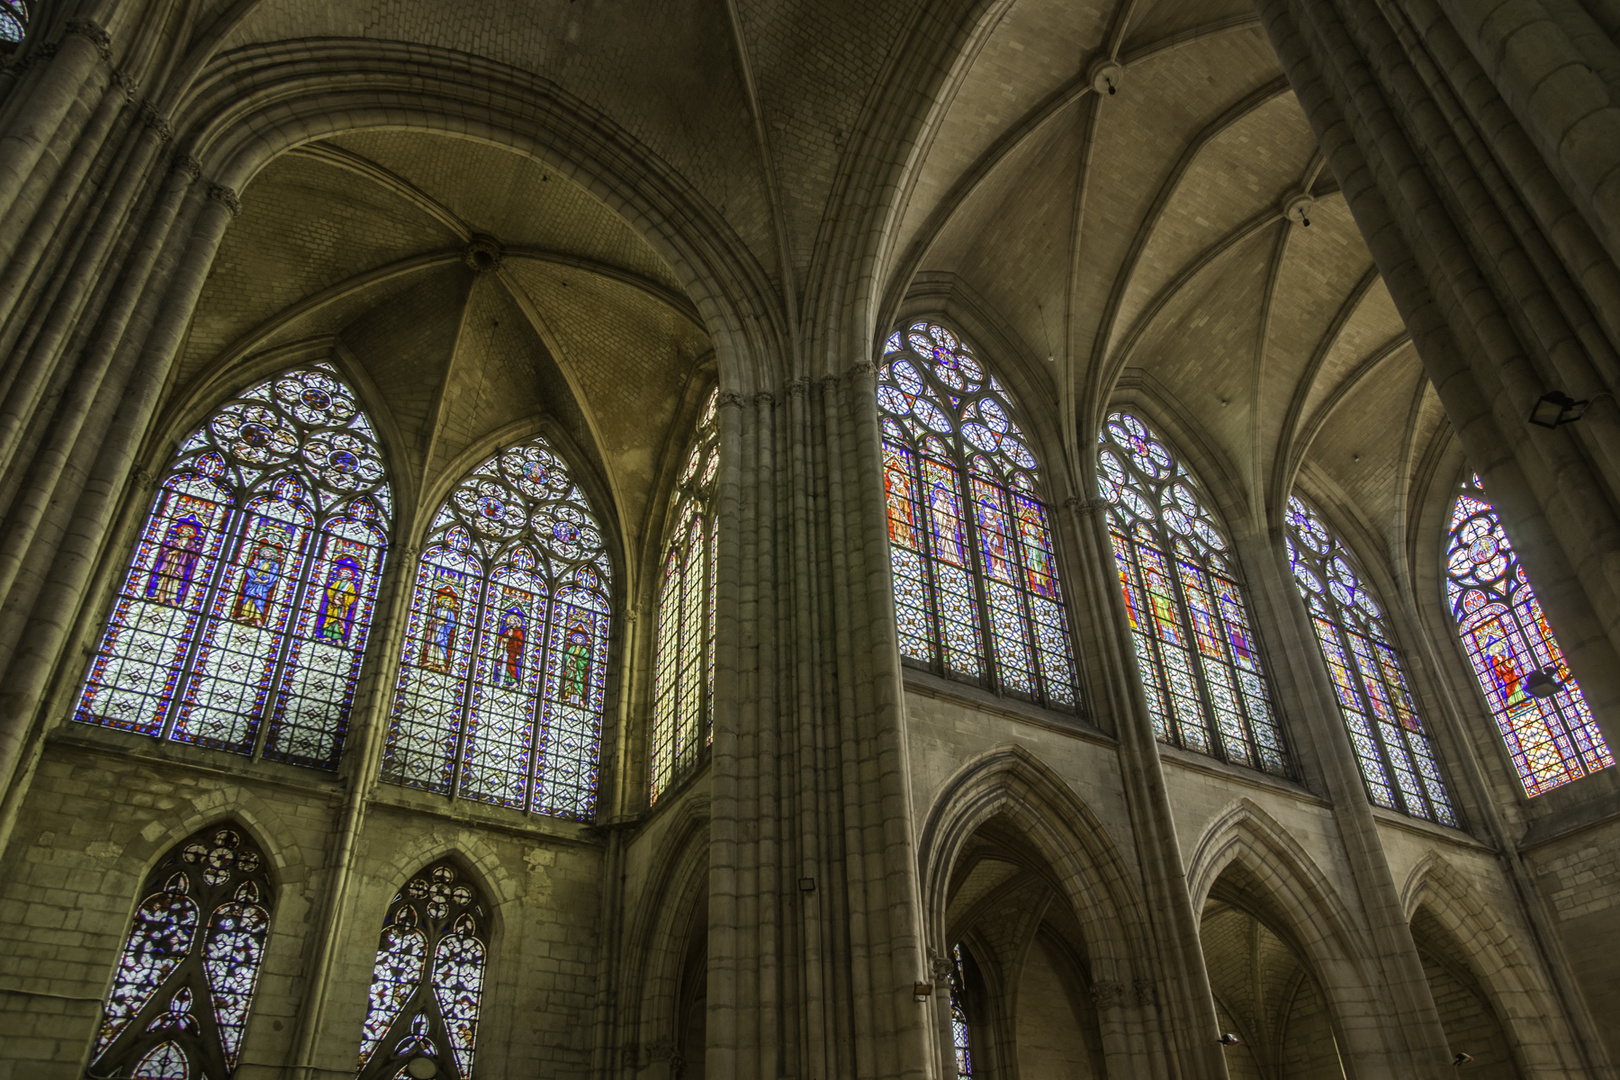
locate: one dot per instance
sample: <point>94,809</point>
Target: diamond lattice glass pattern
<point>501,686</point>
<point>959,1021</point>
<point>180,998</point>
<point>683,658</point>
<point>1394,753</point>
<point>243,619</point>
<point>1189,623</point>
<point>1552,740</point>
<point>428,981</point>
<point>976,592</point>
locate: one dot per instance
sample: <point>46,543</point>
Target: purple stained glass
<point>1552,740</point>
<point>961,1036</point>
<point>974,566</point>
<point>183,990</point>
<point>1201,672</point>
<point>475,703</point>
<point>208,642</point>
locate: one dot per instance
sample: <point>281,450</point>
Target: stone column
<point>32,126</point>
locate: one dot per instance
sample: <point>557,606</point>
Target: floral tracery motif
<point>428,981</point>
<point>1189,621</point>
<point>1552,740</point>
<point>1391,746</point>
<point>975,574</point>
<point>179,1002</point>
<point>500,691</point>
<point>243,620</point>
<point>683,661</point>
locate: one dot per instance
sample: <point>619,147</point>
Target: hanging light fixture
<point>1543,683</point>
<point>1555,407</point>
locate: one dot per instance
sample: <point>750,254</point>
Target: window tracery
<point>1554,739</point>
<point>180,999</point>
<point>683,660</point>
<point>428,981</point>
<point>501,687</point>
<point>975,573</point>
<point>1397,762</point>
<point>242,622</point>
<point>13,20</point>
<point>1189,621</point>
<point>960,1035</point>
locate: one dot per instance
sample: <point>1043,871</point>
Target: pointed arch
<point>1543,716</point>
<point>1189,618</point>
<point>242,621</point>
<point>183,988</point>
<point>683,648</point>
<point>976,594</point>
<point>502,684</point>
<point>1398,763</point>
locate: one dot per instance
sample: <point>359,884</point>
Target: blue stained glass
<point>1201,672</point>
<point>271,510</point>
<point>961,1037</point>
<point>975,571</point>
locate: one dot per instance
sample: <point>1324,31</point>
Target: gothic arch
<point>469,851</point>
<point>1142,396</point>
<point>234,807</point>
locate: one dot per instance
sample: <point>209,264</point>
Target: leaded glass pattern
<point>502,683</point>
<point>1369,678</point>
<point>428,981</point>
<point>683,652</point>
<point>960,1036</point>
<point>1551,740</point>
<point>1189,621</point>
<point>13,20</point>
<point>180,999</point>
<point>976,591</point>
<point>242,622</point>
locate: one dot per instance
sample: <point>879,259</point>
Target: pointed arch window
<point>428,982</point>
<point>13,21</point>
<point>1189,620</point>
<point>179,1003</point>
<point>961,1037</point>
<point>683,658</point>
<point>242,622</point>
<point>1552,740</point>
<point>976,589</point>
<point>500,691</point>
<point>1397,762</point>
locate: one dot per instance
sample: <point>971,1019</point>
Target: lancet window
<point>1391,746</point>
<point>1190,625</point>
<point>1552,739</point>
<point>243,619</point>
<point>976,589</point>
<point>180,999</point>
<point>960,1035</point>
<point>683,658</point>
<point>428,982</point>
<point>500,690</point>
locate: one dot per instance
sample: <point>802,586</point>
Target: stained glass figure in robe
<point>427,984</point>
<point>1552,740</point>
<point>976,589</point>
<point>683,656</point>
<point>1189,623</point>
<point>1397,761</point>
<point>242,621</point>
<point>183,988</point>
<point>500,690</point>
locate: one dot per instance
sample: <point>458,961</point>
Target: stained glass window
<point>1396,760</point>
<point>976,591</point>
<point>179,1002</point>
<point>242,622</point>
<point>1554,739</point>
<point>500,690</point>
<point>683,656</point>
<point>13,20</point>
<point>1189,622</point>
<point>959,1022</point>
<point>428,981</point>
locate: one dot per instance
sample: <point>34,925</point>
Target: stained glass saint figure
<point>1369,677</point>
<point>1552,740</point>
<point>1189,624</point>
<point>428,981</point>
<point>501,686</point>
<point>683,658</point>
<point>183,989</point>
<point>242,621</point>
<point>975,575</point>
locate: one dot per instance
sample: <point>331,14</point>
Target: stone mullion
<point>41,112</point>
<point>1183,1027</point>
